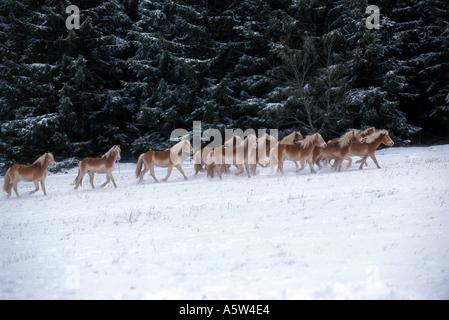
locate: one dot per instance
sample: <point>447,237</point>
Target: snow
<point>356,234</point>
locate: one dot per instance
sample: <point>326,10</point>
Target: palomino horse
<point>35,172</point>
<point>292,138</point>
<point>200,156</point>
<point>368,148</point>
<point>264,146</point>
<point>302,152</point>
<point>327,158</point>
<point>105,164</point>
<point>339,148</point>
<point>168,158</point>
<point>242,154</point>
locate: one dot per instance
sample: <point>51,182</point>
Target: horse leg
<point>311,164</point>
<point>111,177</point>
<point>296,163</point>
<point>240,167</point>
<point>375,160</point>
<point>43,186</point>
<point>145,170</point>
<point>339,164</point>
<point>178,166</point>
<point>334,165</point>
<point>36,184</point>
<point>362,162</point>
<point>303,165</point>
<point>350,161</point>
<point>247,169</point>
<point>281,164</point>
<point>14,186</point>
<point>108,179</point>
<point>152,172</point>
<point>170,168</point>
<point>218,170</point>
<point>253,168</point>
<point>91,179</point>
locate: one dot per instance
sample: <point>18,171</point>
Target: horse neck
<point>112,157</point>
<point>40,166</point>
<point>378,140</point>
<point>310,147</point>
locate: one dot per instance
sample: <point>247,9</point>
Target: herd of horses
<point>245,154</point>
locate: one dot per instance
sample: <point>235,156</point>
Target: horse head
<point>298,137</point>
<point>357,137</point>
<point>118,150</point>
<point>386,140</point>
<point>49,160</point>
<point>320,141</point>
<point>251,141</point>
<point>188,147</point>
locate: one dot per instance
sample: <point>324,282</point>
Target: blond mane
<point>180,145</point>
<point>108,154</point>
<point>375,136</point>
<point>290,138</point>
<point>41,159</point>
<point>364,133</point>
<point>346,139</point>
<point>308,140</point>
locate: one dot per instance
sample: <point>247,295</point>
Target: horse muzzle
<point>362,140</point>
<point>391,143</point>
<point>324,145</point>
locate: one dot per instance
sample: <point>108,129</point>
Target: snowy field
<point>358,234</point>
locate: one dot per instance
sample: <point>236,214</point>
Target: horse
<point>105,164</point>
<point>264,146</point>
<point>200,156</point>
<point>292,138</point>
<point>368,148</point>
<point>302,152</point>
<point>339,148</point>
<point>168,158</point>
<point>327,158</point>
<point>242,154</point>
<point>36,172</point>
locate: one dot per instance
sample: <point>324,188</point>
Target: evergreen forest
<point>135,70</point>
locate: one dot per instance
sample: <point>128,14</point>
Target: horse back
<point>93,164</point>
<point>27,173</point>
<point>158,158</point>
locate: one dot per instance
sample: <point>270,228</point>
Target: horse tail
<point>78,177</point>
<point>7,185</point>
<point>139,165</point>
<point>273,159</point>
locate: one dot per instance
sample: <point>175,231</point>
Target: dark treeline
<point>136,70</point>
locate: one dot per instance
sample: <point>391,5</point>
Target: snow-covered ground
<point>356,234</point>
